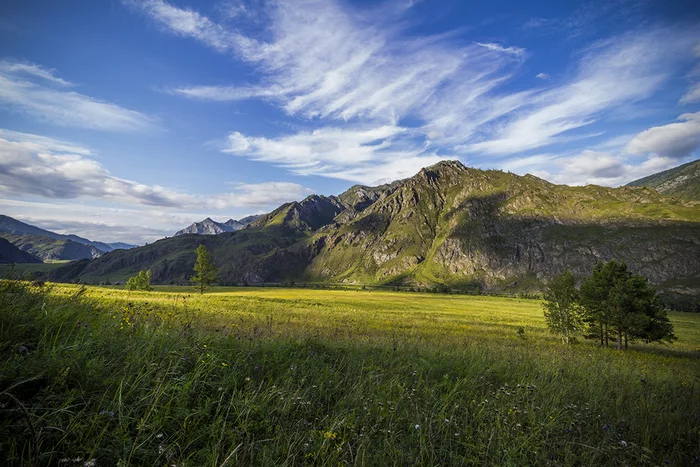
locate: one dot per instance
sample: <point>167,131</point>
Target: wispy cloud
<point>31,89</point>
<point>612,73</point>
<point>33,70</point>
<point>517,51</point>
<point>322,61</point>
<point>40,166</point>
<point>349,74</point>
<point>366,155</point>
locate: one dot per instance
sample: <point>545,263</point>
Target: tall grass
<point>101,376</point>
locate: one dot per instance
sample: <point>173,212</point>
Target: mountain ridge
<point>211,227</point>
<point>448,225</point>
<point>682,181</point>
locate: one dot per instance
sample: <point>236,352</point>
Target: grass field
<point>270,376</point>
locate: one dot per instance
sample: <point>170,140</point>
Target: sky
<point>129,120</point>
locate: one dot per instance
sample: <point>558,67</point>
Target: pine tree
<point>562,312</point>
<point>616,299</point>
<point>205,271</point>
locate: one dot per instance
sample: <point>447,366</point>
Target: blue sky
<point>127,120</point>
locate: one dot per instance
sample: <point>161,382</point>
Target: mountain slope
<point>211,227</point>
<point>50,249</point>
<point>682,181</point>
<point>11,254</point>
<point>447,225</point>
<point>15,227</point>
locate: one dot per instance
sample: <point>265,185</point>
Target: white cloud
<point>598,168</point>
<point>32,165</point>
<point>544,76</point>
<point>33,70</point>
<point>675,140</point>
<point>693,95</point>
<point>60,107</point>
<point>516,51</point>
<point>366,155</point>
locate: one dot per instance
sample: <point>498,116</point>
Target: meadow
<point>273,376</point>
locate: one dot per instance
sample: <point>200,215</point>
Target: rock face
<point>682,181</point>
<point>448,225</point>
<point>211,227</point>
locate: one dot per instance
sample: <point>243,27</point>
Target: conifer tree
<point>205,271</point>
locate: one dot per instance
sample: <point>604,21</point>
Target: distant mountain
<point>211,227</point>
<point>15,227</point>
<point>449,226</point>
<point>50,249</point>
<point>682,181</point>
<point>11,254</point>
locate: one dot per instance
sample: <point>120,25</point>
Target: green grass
<point>269,376</point>
<point>24,268</point>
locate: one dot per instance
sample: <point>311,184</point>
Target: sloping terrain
<point>11,254</point>
<point>50,249</point>
<point>15,227</point>
<point>448,225</point>
<point>682,181</point>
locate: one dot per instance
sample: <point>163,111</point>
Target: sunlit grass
<point>268,376</point>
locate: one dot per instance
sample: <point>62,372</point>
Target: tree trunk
<point>619,338</point>
<point>601,335</point>
<point>625,340</point>
<point>607,336</point>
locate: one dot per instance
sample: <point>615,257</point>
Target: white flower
<point>623,444</point>
<point>417,426</point>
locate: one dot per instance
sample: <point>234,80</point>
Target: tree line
<point>612,304</point>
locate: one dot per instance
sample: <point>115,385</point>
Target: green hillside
<point>682,181</point>
<point>51,249</point>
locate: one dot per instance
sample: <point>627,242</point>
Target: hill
<point>15,227</point>
<point>50,249</point>
<point>448,225</point>
<point>211,227</point>
<point>682,181</point>
<point>11,254</point>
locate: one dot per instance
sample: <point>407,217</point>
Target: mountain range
<point>449,225</point>
<point>210,227</point>
<point>50,246</point>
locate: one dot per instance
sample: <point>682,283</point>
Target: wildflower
<point>447,420</point>
<point>107,412</point>
<point>159,435</point>
<point>224,364</point>
<point>623,443</point>
<point>90,463</point>
<point>417,426</point>
<point>247,379</point>
<point>22,349</point>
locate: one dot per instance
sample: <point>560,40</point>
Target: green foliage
<point>257,376</point>
<point>141,281</point>
<point>562,311</point>
<point>617,301</point>
<point>205,271</point>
